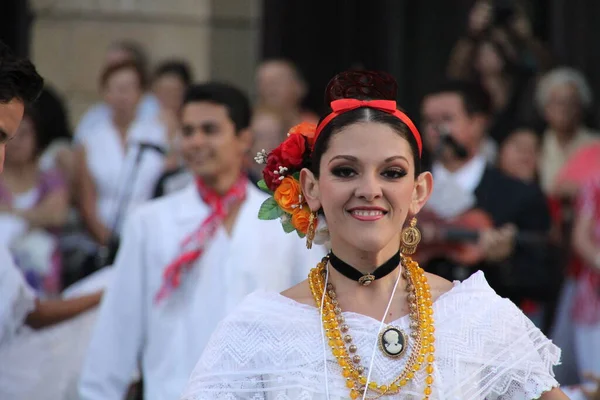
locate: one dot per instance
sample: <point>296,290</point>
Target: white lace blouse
<point>272,348</point>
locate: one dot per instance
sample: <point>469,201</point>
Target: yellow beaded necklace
<point>421,314</point>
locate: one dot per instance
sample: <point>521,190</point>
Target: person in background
<point>563,97</point>
<point>281,87</point>
<point>568,157</point>
<point>518,158</point>
<point>37,200</point>
<point>460,110</point>
<point>171,79</point>
<point>519,153</point>
<point>148,107</point>
<point>189,257</point>
<point>121,160</point>
<point>501,53</point>
<point>169,82</point>
<point>586,306</point>
<point>268,130</point>
<point>508,22</point>
<point>20,85</point>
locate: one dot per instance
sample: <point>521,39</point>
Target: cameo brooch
<point>392,342</point>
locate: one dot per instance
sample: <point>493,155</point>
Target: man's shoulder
<point>167,204</point>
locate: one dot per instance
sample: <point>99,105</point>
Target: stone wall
<point>219,38</point>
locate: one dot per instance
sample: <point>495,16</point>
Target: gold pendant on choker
<point>392,341</point>
<point>366,280</point>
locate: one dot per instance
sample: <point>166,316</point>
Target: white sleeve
<point>521,357</point>
<point>16,298</point>
<point>93,115</point>
<point>118,336</point>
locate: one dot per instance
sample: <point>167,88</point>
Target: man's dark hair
<point>234,100</point>
<point>474,97</point>
<point>18,78</point>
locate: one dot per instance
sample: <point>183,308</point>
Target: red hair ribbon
<point>389,106</point>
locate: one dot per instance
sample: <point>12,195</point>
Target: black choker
<point>364,279</point>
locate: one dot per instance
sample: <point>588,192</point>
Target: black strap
<point>352,273</point>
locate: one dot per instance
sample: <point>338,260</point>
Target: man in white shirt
<point>188,258</point>
<point>20,84</point>
<point>25,355</point>
<point>455,116</point>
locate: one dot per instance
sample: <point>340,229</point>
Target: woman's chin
<point>371,244</point>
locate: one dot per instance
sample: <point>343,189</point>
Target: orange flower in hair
<point>300,219</point>
<point>288,195</point>
<point>307,130</point>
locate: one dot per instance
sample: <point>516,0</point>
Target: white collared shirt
<point>467,177</point>
<point>123,178</point>
<point>168,338</point>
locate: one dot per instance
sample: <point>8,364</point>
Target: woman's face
<point>123,92</point>
<point>268,132</point>
<point>169,90</point>
<point>563,109</point>
<point>366,187</point>
<point>21,150</point>
<point>519,155</point>
<point>488,60</point>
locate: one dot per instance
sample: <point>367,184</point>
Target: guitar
<point>457,238</point>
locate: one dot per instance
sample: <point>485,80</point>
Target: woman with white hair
<point>563,96</point>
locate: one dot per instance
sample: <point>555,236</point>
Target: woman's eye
<point>343,172</point>
<point>394,173</point>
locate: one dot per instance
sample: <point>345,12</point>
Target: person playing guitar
<point>493,211</point>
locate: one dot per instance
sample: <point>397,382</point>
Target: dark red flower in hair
<point>274,168</point>
<point>292,151</point>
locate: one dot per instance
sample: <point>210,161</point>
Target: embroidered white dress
<point>272,348</point>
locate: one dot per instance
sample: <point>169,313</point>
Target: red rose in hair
<point>274,161</point>
<point>307,130</point>
<point>292,151</point>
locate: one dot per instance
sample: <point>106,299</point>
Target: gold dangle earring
<point>310,233</point>
<point>411,236</point>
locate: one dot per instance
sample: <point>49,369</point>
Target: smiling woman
<point>369,322</point>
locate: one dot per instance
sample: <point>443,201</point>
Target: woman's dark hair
<point>174,67</point>
<point>520,126</point>
<point>361,85</point>
<point>234,100</point>
<point>123,65</point>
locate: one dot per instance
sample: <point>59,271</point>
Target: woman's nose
<point>369,187</point>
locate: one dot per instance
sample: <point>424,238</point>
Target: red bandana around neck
<point>194,244</point>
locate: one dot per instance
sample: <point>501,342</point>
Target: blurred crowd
<point>65,193</point>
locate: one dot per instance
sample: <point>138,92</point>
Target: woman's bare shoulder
<point>300,293</point>
<point>438,285</point>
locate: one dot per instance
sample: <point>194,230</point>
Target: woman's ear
<point>421,192</point>
<point>310,189</point>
